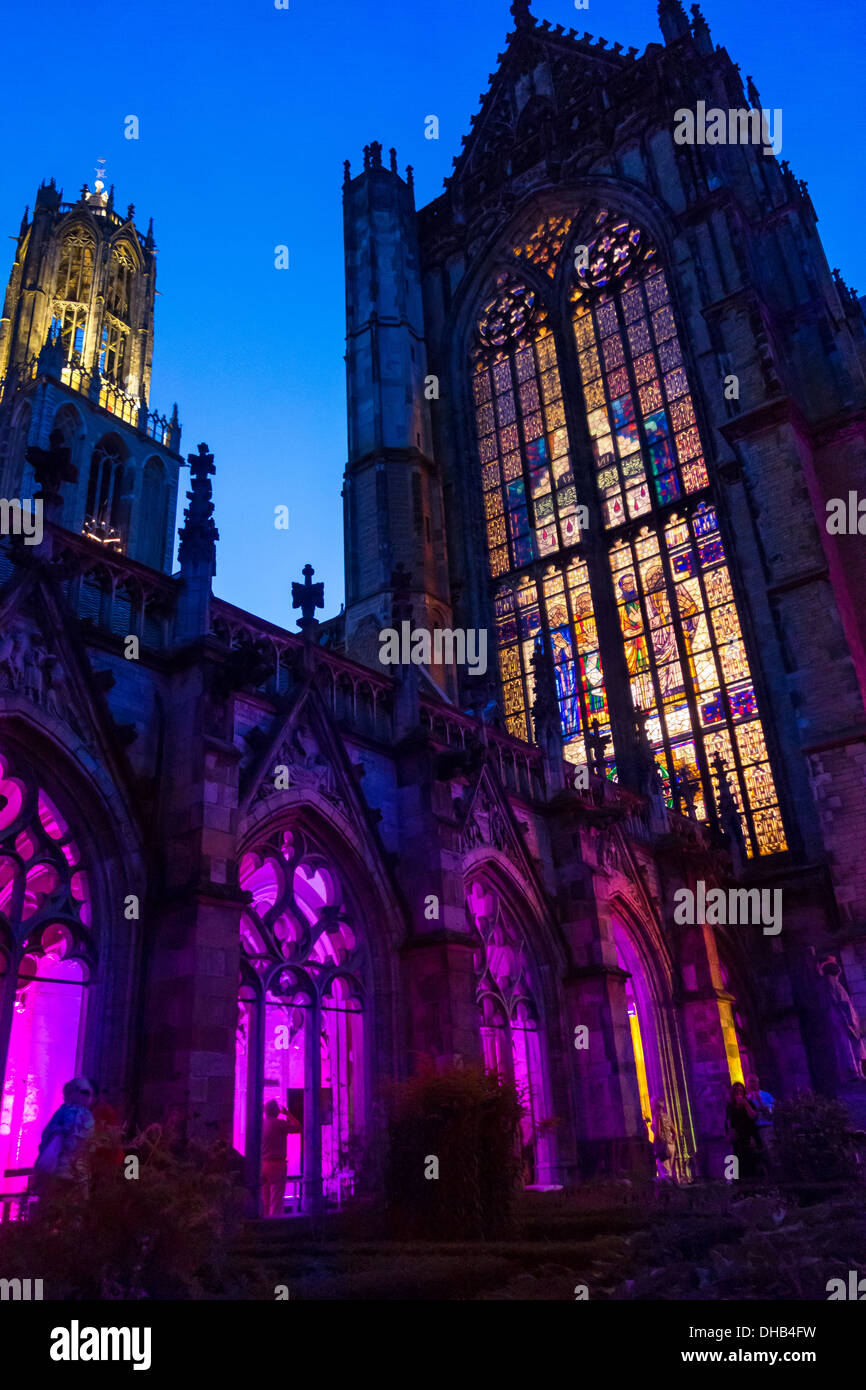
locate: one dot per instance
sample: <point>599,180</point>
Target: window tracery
<point>544,245</point>
<point>300,942</point>
<point>510,1038</point>
<point>46,959</point>
<point>690,678</point>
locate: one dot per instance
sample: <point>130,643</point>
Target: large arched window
<point>511,1043</point>
<point>300,1036</point>
<point>106,507</point>
<point>119,292</point>
<point>72,290</point>
<point>531,511</point>
<point>46,960</point>
<point>17,472</point>
<point>691,684</point>
<point>153,518</point>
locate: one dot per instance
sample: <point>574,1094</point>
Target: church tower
<point>394,524</point>
<point>76,347</point>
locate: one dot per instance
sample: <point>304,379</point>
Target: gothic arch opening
<point>153,518</point>
<point>48,960</point>
<point>106,508</point>
<point>304,1032</point>
<point>17,472</point>
<point>512,1018</point>
<point>586,298</point>
<point>651,1049</point>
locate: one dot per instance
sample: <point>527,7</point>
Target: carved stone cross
<point>308,597</point>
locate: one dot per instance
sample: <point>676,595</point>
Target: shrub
<point>814,1140</point>
<point>161,1235</point>
<point>469,1120</point>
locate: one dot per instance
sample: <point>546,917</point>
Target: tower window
<point>118,296</point>
<point>105,484</point>
<point>70,320</point>
<point>112,349</point>
<point>75,272</point>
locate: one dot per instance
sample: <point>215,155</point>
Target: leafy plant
<point>469,1121</point>
<point>814,1140</point>
<point>163,1234</point>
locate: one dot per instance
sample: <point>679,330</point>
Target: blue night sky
<point>246,115</point>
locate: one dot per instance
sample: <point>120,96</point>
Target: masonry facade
<point>600,393</point>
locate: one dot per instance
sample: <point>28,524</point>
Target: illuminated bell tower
<point>76,347</point>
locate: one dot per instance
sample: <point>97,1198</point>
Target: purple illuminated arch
<point>46,958</point>
<point>300,1035</point>
<point>511,1036</point>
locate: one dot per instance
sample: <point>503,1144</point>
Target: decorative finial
<point>672,20</point>
<point>198,535</point>
<point>308,597</point>
<point>522,14</point>
<point>393,156</point>
<point>753,94</point>
<point>52,467</point>
<point>701,31</point>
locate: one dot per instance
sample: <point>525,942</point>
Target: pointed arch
<point>656,1052</point>
<point>67,863</point>
<point>317,993</point>
<point>627,443</point>
<point>518,1009</point>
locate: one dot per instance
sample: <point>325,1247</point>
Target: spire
<point>52,358</point>
<point>701,31</point>
<point>198,535</point>
<point>672,20</point>
<point>148,240</point>
<point>753,94</point>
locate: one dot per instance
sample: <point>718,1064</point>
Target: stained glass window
<point>530,500</point>
<point>684,648</point>
<point>641,421</point>
<point>542,248</point>
<point>689,671</point>
<point>689,674</point>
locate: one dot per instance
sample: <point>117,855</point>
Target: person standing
<point>762,1103</point>
<point>60,1171</point>
<point>741,1127</point>
<point>275,1132</point>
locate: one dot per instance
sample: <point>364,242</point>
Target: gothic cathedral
<point>603,393</point>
